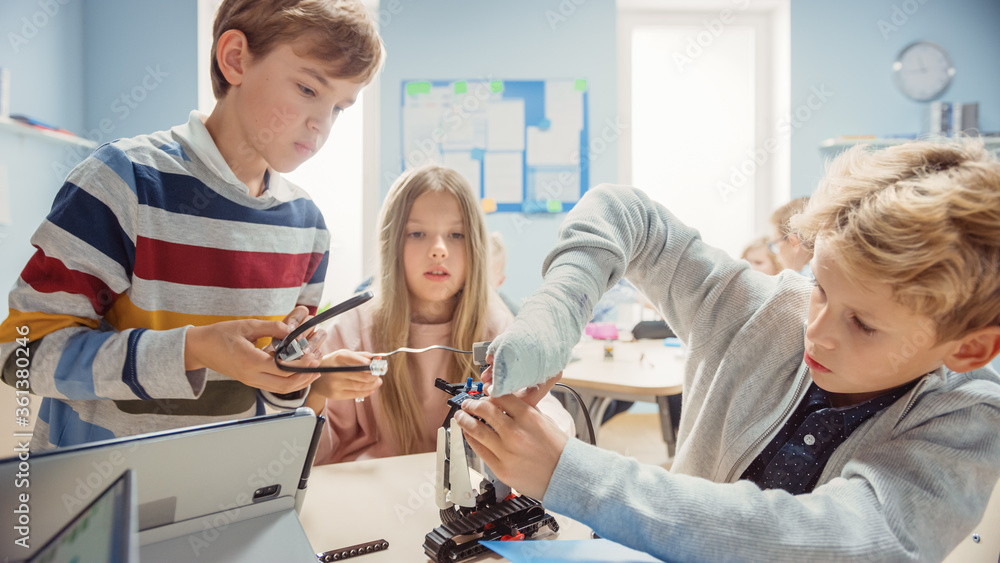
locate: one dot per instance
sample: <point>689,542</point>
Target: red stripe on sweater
<point>185,264</point>
<point>50,275</point>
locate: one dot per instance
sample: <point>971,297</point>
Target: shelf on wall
<point>18,128</point>
<point>992,143</point>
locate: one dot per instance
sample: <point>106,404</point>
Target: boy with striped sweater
<point>169,259</point>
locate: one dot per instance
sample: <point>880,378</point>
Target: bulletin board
<point>521,144</point>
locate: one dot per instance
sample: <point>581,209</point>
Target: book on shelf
<point>940,122</point>
<point>965,119</point>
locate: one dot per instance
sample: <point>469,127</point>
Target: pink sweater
<point>353,430</point>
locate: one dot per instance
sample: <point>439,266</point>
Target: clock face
<point>923,70</point>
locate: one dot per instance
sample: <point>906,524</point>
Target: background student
<point>760,257</point>
<point>785,243</point>
<point>169,259</point>
<point>498,265</point>
<point>432,288</point>
<point>848,417</point>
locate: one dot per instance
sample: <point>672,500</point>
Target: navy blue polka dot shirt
<point>796,456</point>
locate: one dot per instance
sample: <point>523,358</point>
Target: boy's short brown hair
<point>341,32</point>
<point>923,217</point>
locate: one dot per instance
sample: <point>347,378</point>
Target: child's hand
<point>230,348</point>
<point>530,395</point>
<point>339,386</point>
<point>521,445</point>
<point>314,337</point>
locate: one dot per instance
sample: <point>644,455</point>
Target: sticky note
<point>477,154</point>
<point>413,88</point>
<point>496,86</point>
<point>580,84</point>
<point>544,124</point>
<point>554,206</point>
<point>461,87</point>
<point>489,205</point>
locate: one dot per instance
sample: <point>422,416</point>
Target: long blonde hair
<point>391,326</point>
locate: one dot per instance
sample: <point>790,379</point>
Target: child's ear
<point>975,350</point>
<point>793,239</point>
<point>232,53</point>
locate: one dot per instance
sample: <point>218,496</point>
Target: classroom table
<point>638,370</point>
<point>392,499</point>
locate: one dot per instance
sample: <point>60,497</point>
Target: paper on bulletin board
<point>523,137</point>
<point>505,126</point>
<point>420,144</point>
<point>503,177</point>
<point>464,164</point>
<point>566,551</point>
<point>555,146</point>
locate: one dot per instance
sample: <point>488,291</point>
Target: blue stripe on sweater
<point>174,149</point>
<point>130,371</point>
<point>90,220</point>
<point>320,274</point>
<point>118,162</point>
<point>190,196</point>
<point>74,375</point>
<point>65,426</point>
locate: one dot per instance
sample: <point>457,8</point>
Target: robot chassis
<point>471,514</point>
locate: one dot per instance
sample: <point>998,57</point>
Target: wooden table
<point>643,370</point>
<point>390,498</point>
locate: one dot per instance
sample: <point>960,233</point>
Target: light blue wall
<point>514,39</point>
<point>840,46</point>
<point>69,73</point>
<point>45,56</point>
<point>142,64</point>
<point>46,84</point>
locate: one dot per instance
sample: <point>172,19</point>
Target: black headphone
<point>291,346</point>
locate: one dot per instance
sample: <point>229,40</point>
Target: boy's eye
<point>306,90</point>
<point>862,326</point>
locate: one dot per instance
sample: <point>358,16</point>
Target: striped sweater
<point>147,237</point>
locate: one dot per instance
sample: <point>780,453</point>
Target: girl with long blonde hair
<point>431,288</point>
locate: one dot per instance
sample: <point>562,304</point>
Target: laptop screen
<point>106,530</point>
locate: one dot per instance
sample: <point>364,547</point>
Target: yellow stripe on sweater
<point>124,315</point>
<point>39,324</point>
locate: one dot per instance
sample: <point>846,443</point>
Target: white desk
<point>391,499</point>
<point>643,370</point>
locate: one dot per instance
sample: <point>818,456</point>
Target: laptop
<point>221,492</point>
<point>106,530</point>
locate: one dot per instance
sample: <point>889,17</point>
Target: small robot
<point>470,513</point>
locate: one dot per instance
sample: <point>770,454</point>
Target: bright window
<point>699,91</point>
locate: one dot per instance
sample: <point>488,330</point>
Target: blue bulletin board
<point>521,144</point>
